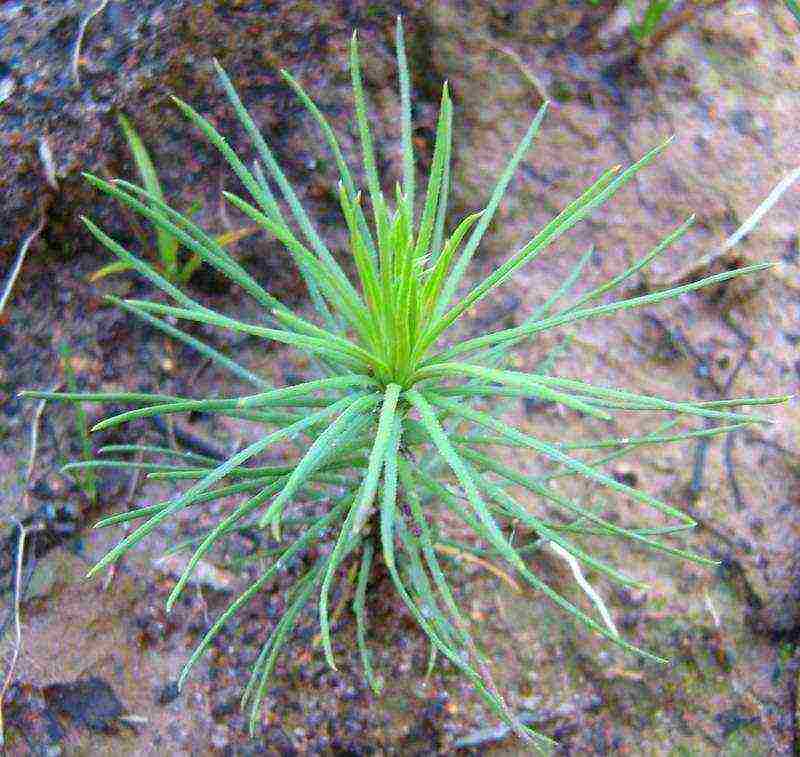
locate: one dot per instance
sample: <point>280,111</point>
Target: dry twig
<point>17,265</point>
<point>697,267</point>
<point>76,53</point>
<point>17,625</point>
<point>469,557</point>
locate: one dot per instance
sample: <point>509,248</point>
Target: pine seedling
<point>381,429</point>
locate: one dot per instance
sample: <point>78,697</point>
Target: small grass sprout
<point>642,29</point>
<point>167,245</point>
<point>653,13</point>
<point>395,429</point>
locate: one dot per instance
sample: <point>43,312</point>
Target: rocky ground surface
<point>99,659</point>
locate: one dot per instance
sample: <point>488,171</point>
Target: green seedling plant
<point>402,422</point>
<point>642,28</point>
<point>168,246</point>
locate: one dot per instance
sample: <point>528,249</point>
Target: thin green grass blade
<point>489,340</point>
<point>457,465</point>
<point>365,266</point>
<point>656,403</point>
<point>217,474</point>
<point>144,164</point>
<point>601,191</point>
<point>146,270</point>
<point>221,492</point>
<point>641,441</point>
<point>104,397</point>
<point>426,541</point>
<point>242,511</point>
<point>222,407</point>
<point>405,117</point>
<point>581,392</point>
<point>359,610</point>
<point>216,139</point>
<point>423,593</point>
<point>388,514</point>
<point>166,243</point>
<point>708,404</point>
<point>245,473</point>
<point>344,171</point>
<point>367,148</point>
<point>553,453</point>
<point>534,388</point>
<point>471,390</point>
<point>376,458</point>
<point>92,465</point>
<point>428,218</point>
<point>332,348</point>
<point>350,422</point>
<point>435,280</point>
<point>274,213</point>
<point>441,210</point>
<point>348,536</point>
<point>302,542</point>
<point>432,655</point>
<point>299,213</point>
<point>191,236</point>
<point>293,594</point>
<point>344,545</point>
<point>204,349</point>
<point>614,442</point>
<point>454,279</point>
<point>537,487</point>
<point>564,288</point>
<point>290,396</point>
<point>285,627</point>
<point>440,440</point>
<point>615,282</point>
<point>516,510</point>
<point>339,292</point>
<point>88,481</point>
<point>273,210</point>
<point>263,197</point>
<point>155,450</point>
<point>289,393</point>
<point>493,356</point>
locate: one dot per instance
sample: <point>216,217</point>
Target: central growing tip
<point>403,278</point>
